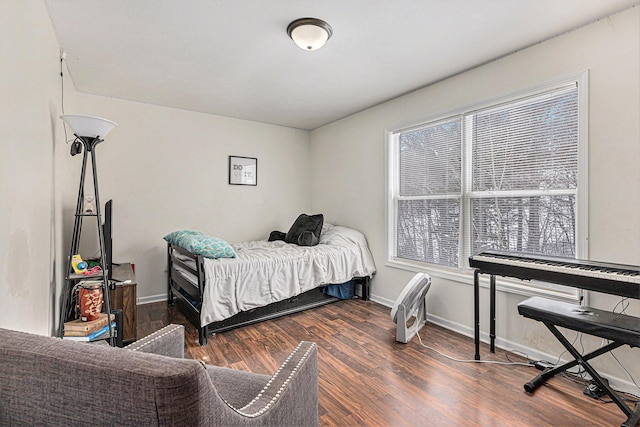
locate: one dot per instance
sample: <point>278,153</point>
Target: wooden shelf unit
<point>124,297</point>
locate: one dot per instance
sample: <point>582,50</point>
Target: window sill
<point>503,284</point>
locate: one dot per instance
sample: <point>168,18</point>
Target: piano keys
<point>616,279</point>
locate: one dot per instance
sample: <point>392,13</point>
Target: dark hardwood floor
<point>366,378</point>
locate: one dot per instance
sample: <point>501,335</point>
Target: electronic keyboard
<point>615,279</point>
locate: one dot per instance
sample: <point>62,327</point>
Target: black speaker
<point>119,326</point>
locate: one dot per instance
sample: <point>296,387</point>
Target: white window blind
<point>504,175</point>
<point>430,189</point>
<point>430,160</point>
<point>524,173</point>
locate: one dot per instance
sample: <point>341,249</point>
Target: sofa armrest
<point>168,341</point>
<point>290,397</point>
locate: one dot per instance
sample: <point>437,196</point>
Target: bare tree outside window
<point>428,212</point>
<point>519,153</point>
<point>521,190</point>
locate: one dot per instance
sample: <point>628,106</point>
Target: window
<point>429,193</point>
<point>503,175</point>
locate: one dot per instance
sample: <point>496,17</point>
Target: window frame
<point>463,273</point>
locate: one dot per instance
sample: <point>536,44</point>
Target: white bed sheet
<point>266,272</point>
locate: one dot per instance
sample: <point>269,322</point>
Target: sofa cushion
<point>50,381</point>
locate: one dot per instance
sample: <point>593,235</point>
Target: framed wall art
<point>243,170</point>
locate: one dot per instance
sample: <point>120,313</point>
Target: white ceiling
<point>234,58</point>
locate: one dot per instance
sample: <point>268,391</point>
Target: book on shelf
<point>99,334</point>
<point>79,328</point>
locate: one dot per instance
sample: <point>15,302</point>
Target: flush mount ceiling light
<point>309,33</point>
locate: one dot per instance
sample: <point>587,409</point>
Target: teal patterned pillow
<point>181,238</point>
<point>199,243</point>
<point>210,247</point>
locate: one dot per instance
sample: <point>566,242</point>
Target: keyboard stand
<point>619,328</point>
<point>476,312</point>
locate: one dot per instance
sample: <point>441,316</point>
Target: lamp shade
<point>309,33</point>
<point>89,126</point>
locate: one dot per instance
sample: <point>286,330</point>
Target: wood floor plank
<point>366,378</point>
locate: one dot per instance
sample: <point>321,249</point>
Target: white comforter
<point>265,272</point>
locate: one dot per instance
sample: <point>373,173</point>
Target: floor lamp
<point>89,132</point>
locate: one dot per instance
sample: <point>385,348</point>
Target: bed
<point>261,280</point>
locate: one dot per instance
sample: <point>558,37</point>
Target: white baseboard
<point>382,301</point>
<point>152,298</point>
<point>532,354</point>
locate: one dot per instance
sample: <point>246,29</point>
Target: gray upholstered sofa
<point>49,381</point>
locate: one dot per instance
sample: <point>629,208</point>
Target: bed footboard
<point>186,281</point>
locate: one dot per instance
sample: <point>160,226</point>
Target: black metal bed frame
<point>188,297</point>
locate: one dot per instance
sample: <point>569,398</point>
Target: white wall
<point>352,192</point>
<point>29,106</point>
<point>167,169</point>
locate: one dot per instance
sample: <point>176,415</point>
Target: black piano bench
<point>620,329</point>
